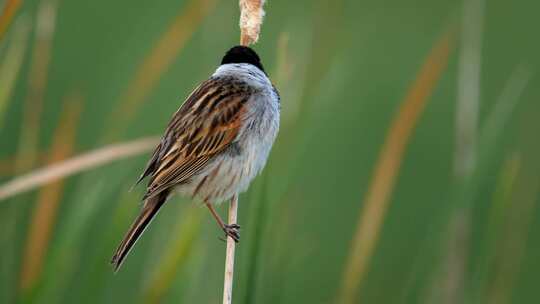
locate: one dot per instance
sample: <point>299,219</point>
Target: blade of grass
<point>44,213</point>
<point>258,222</point>
<point>97,278</point>
<point>148,73</point>
<point>10,10</point>
<point>512,245</point>
<point>76,164</point>
<point>505,105</point>
<point>295,123</point>
<point>468,101</point>
<point>39,66</point>
<point>387,167</point>
<point>466,154</point>
<point>8,75</point>
<point>175,258</point>
<point>285,77</point>
<point>284,65</point>
<point>11,65</point>
<point>464,193</point>
<point>321,59</point>
<point>515,236</point>
<point>501,204</point>
<point>64,253</point>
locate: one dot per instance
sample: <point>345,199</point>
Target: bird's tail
<point>150,209</point>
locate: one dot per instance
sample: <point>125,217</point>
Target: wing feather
<point>204,126</point>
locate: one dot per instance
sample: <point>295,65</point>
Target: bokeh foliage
<point>78,75</point>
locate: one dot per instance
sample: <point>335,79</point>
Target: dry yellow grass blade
<point>44,213</point>
<point>76,164</point>
<point>10,9</point>
<point>33,104</point>
<point>11,64</point>
<point>284,65</point>
<point>387,167</point>
<point>156,63</point>
<point>8,168</point>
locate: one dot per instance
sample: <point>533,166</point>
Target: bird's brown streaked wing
<point>150,166</point>
<point>167,139</point>
<point>204,126</point>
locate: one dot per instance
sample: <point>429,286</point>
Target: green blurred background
<point>406,170</point>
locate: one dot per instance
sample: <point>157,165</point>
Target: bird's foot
<point>233,231</point>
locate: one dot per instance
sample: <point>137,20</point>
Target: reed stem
<point>229,258</point>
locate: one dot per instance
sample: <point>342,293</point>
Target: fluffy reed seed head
<point>251,18</point>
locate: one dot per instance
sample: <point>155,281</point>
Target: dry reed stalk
<point>44,213</point>
<point>251,18</point>
<point>229,257</point>
<point>156,63</point>
<point>10,9</point>
<point>388,165</point>
<point>86,161</point>
<point>33,104</point>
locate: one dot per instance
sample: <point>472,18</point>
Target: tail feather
<point>150,209</point>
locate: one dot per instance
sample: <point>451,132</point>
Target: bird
<point>215,144</point>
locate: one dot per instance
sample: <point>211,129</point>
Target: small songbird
<point>214,145</point>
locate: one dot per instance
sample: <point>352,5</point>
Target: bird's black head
<point>242,54</point>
